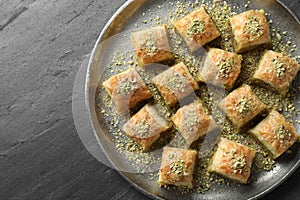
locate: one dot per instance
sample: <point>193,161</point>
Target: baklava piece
<point>249,29</point>
<point>277,71</point>
<point>197,29</point>
<point>127,90</point>
<point>221,68</point>
<point>152,45</point>
<point>146,126</point>
<point>175,83</point>
<point>232,160</point>
<point>192,121</point>
<point>241,106</point>
<point>177,167</point>
<point>275,133</point>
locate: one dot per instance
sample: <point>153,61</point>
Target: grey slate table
<point>42,45</point>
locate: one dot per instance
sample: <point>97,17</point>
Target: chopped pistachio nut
<point>278,36</point>
<point>225,67</point>
<point>280,68</point>
<point>191,120</point>
<point>196,27</point>
<point>177,82</point>
<point>231,153</point>
<point>130,62</point>
<point>281,133</point>
<point>244,106</point>
<point>178,168</point>
<point>126,87</point>
<point>143,128</point>
<point>238,162</point>
<point>150,46</point>
<point>253,27</point>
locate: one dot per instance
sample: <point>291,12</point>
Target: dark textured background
<point>42,44</point>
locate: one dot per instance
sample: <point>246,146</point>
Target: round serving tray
<point>123,22</point>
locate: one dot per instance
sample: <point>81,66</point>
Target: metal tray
<point>123,21</point>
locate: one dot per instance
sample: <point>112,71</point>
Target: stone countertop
<point>43,43</point>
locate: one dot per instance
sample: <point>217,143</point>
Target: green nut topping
<point>196,27</point>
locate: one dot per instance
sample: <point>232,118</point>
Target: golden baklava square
<point>275,133</point>
<point>175,83</point>
<point>249,29</point>
<point>197,28</point>
<point>127,90</point>
<point>232,160</point>
<point>177,167</point>
<point>276,70</point>
<point>193,122</point>
<point>152,45</point>
<point>146,126</point>
<point>241,106</point>
<point>221,68</point>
